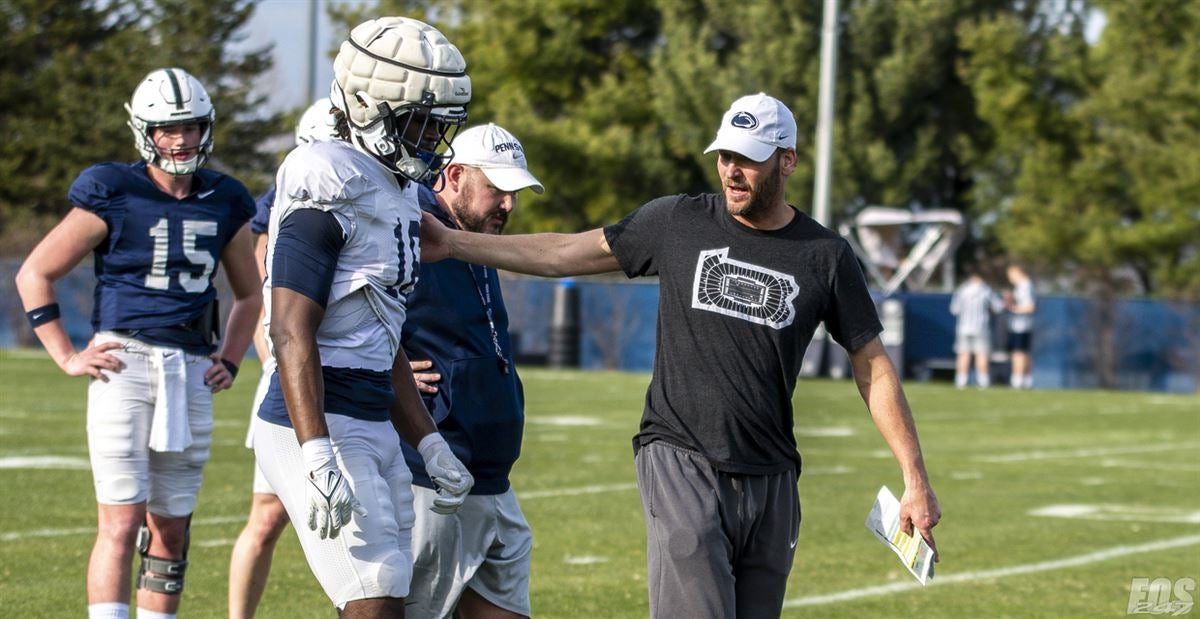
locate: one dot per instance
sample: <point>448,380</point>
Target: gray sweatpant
<point>718,545</point>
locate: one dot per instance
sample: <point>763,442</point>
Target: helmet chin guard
<point>165,98</point>
<point>403,89</point>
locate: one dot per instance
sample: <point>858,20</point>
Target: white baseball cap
<point>498,154</point>
<point>755,126</point>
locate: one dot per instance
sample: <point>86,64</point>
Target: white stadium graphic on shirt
<point>742,290</point>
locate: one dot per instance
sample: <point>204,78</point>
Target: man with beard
<point>745,281</point>
<point>473,563</point>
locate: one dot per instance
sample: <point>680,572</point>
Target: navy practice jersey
<point>262,212</point>
<point>155,267</point>
<point>480,404</point>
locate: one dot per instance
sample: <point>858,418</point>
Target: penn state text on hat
<point>499,154</point>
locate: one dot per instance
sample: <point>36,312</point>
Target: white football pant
<point>120,411</point>
<point>371,557</point>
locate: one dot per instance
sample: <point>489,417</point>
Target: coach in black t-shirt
<point>745,281</point>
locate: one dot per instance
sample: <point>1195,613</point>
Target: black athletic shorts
<point>1020,342</point>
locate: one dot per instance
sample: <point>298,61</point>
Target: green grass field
<point>1131,461</point>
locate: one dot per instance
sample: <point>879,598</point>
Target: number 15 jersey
<point>155,267</point>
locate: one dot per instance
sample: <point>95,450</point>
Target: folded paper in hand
<point>913,550</point>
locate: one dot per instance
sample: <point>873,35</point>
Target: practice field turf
<point>1053,501</point>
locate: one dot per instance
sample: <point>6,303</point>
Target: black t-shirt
<point>737,309</point>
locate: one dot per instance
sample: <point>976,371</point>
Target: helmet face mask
<point>178,146</point>
<point>413,141</point>
<point>403,89</point>
<point>170,98</point>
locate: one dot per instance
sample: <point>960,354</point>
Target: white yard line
<point>1025,456</point>
<point>1142,465</point>
<point>1118,512</point>
<point>45,462</point>
<point>13,536</point>
<point>598,488</point>
<point>214,543</point>
<point>564,420</point>
<point>1003,572</point>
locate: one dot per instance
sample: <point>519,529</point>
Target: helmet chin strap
<point>413,168</point>
<point>178,168</point>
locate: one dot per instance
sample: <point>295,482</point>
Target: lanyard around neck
<point>485,298</point>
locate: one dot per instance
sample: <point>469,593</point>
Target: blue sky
<point>285,23</point>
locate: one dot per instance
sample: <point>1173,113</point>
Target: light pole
<point>313,14</point>
<point>824,154</point>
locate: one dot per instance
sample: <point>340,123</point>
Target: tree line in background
<point>1081,158</point>
<point>68,66</point>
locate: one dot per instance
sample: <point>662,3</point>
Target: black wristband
<point>39,316</point>
<point>231,366</point>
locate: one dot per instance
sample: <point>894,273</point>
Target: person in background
<point>475,563</point>
<point>973,304</point>
<point>1021,308</point>
<point>157,230</point>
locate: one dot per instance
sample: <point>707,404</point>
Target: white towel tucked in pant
<point>170,430</point>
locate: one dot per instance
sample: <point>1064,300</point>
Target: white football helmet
<point>170,97</point>
<point>403,88</point>
<point>317,122</point>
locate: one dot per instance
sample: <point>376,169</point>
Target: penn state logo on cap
<point>744,120</point>
<point>754,127</point>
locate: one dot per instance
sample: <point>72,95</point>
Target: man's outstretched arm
<point>546,254</point>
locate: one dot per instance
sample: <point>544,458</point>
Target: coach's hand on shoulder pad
<point>330,500</point>
<point>434,243</point>
<point>452,479</point>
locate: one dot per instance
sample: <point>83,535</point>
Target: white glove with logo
<point>330,500</point>
<point>447,472</point>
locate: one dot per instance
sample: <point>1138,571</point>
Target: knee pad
<point>156,573</point>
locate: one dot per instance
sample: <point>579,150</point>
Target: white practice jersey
<point>973,303</point>
<point>1022,295</point>
<point>378,265</point>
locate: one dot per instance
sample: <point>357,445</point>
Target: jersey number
<point>192,228</point>
<point>408,242</point>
